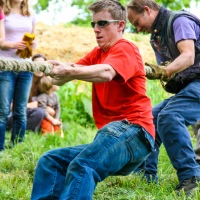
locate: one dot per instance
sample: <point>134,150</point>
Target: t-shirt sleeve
<point>184,29</point>
<point>90,58</point>
<point>125,58</point>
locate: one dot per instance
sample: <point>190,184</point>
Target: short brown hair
<point>138,5</point>
<point>38,55</point>
<point>45,84</point>
<point>115,8</point>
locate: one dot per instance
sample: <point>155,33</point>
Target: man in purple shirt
<point>175,37</point>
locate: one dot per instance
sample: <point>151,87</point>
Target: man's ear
<point>146,8</point>
<point>122,25</point>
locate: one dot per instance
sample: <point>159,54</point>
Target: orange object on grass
<point>48,128</point>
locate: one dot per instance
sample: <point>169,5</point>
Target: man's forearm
<point>180,63</point>
<point>97,73</point>
<point>94,73</point>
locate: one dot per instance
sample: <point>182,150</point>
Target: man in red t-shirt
<point>121,109</point>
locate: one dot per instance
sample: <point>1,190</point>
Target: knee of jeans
<point>76,163</point>
<point>19,114</point>
<point>45,160</point>
<point>20,118</point>
<point>82,167</point>
<point>4,112</point>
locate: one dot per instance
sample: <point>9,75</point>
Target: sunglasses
<point>103,23</point>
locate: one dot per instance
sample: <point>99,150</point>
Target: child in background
<point>34,114</point>
<point>48,100</point>
<point>38,57</point>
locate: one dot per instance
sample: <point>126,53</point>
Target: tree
<point>175,4</point>
<point>84,16</point>
<point>82,4</point>
<point>44,4</point>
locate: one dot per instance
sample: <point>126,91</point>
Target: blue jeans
<point>34,119</point>
<point>171,118</point>
<point>14,87</point>
<point>72,173</point>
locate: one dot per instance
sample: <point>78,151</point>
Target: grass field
<point>17,169</point>
<point>17,165</point>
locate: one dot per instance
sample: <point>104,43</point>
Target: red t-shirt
<point>125,96</point>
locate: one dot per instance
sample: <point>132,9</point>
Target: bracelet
<point>1,16</point>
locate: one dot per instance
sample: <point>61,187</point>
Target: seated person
<point>48,101</point>
<point>34,114</point>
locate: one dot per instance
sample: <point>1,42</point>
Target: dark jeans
<point>34,119</point>
<point>171,118</point>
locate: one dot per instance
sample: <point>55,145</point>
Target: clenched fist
<point>156,72</point>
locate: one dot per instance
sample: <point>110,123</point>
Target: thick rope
<point>25,65</point>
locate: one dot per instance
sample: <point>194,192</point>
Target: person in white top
<point>15,86</point>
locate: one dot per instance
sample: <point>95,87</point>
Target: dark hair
<point>114,7</point>
<point>38,55</point>
<point>138,5</point>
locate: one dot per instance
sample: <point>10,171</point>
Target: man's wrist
<point>168,73</point>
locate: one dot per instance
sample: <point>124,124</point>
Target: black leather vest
<point>163,43</point>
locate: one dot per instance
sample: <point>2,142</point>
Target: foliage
<point>84,16</point>
<point>175,4</point>
<point>44,4</point>
<point>41,5</point>
<point>75,103</point>
<point>155,92</point>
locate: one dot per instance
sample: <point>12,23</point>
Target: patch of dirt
<point>69,44</point>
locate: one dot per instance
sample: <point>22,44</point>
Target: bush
<point>75,103</point>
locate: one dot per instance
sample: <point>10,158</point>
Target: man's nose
<point>96,28</point>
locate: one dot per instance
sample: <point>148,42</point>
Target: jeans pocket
<point>116,128</point>
<point>138,146</point>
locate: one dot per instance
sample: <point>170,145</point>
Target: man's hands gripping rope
<point>154,71</point>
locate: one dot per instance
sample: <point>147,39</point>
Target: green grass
<point>17,165</point>
<point>17,169</point>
